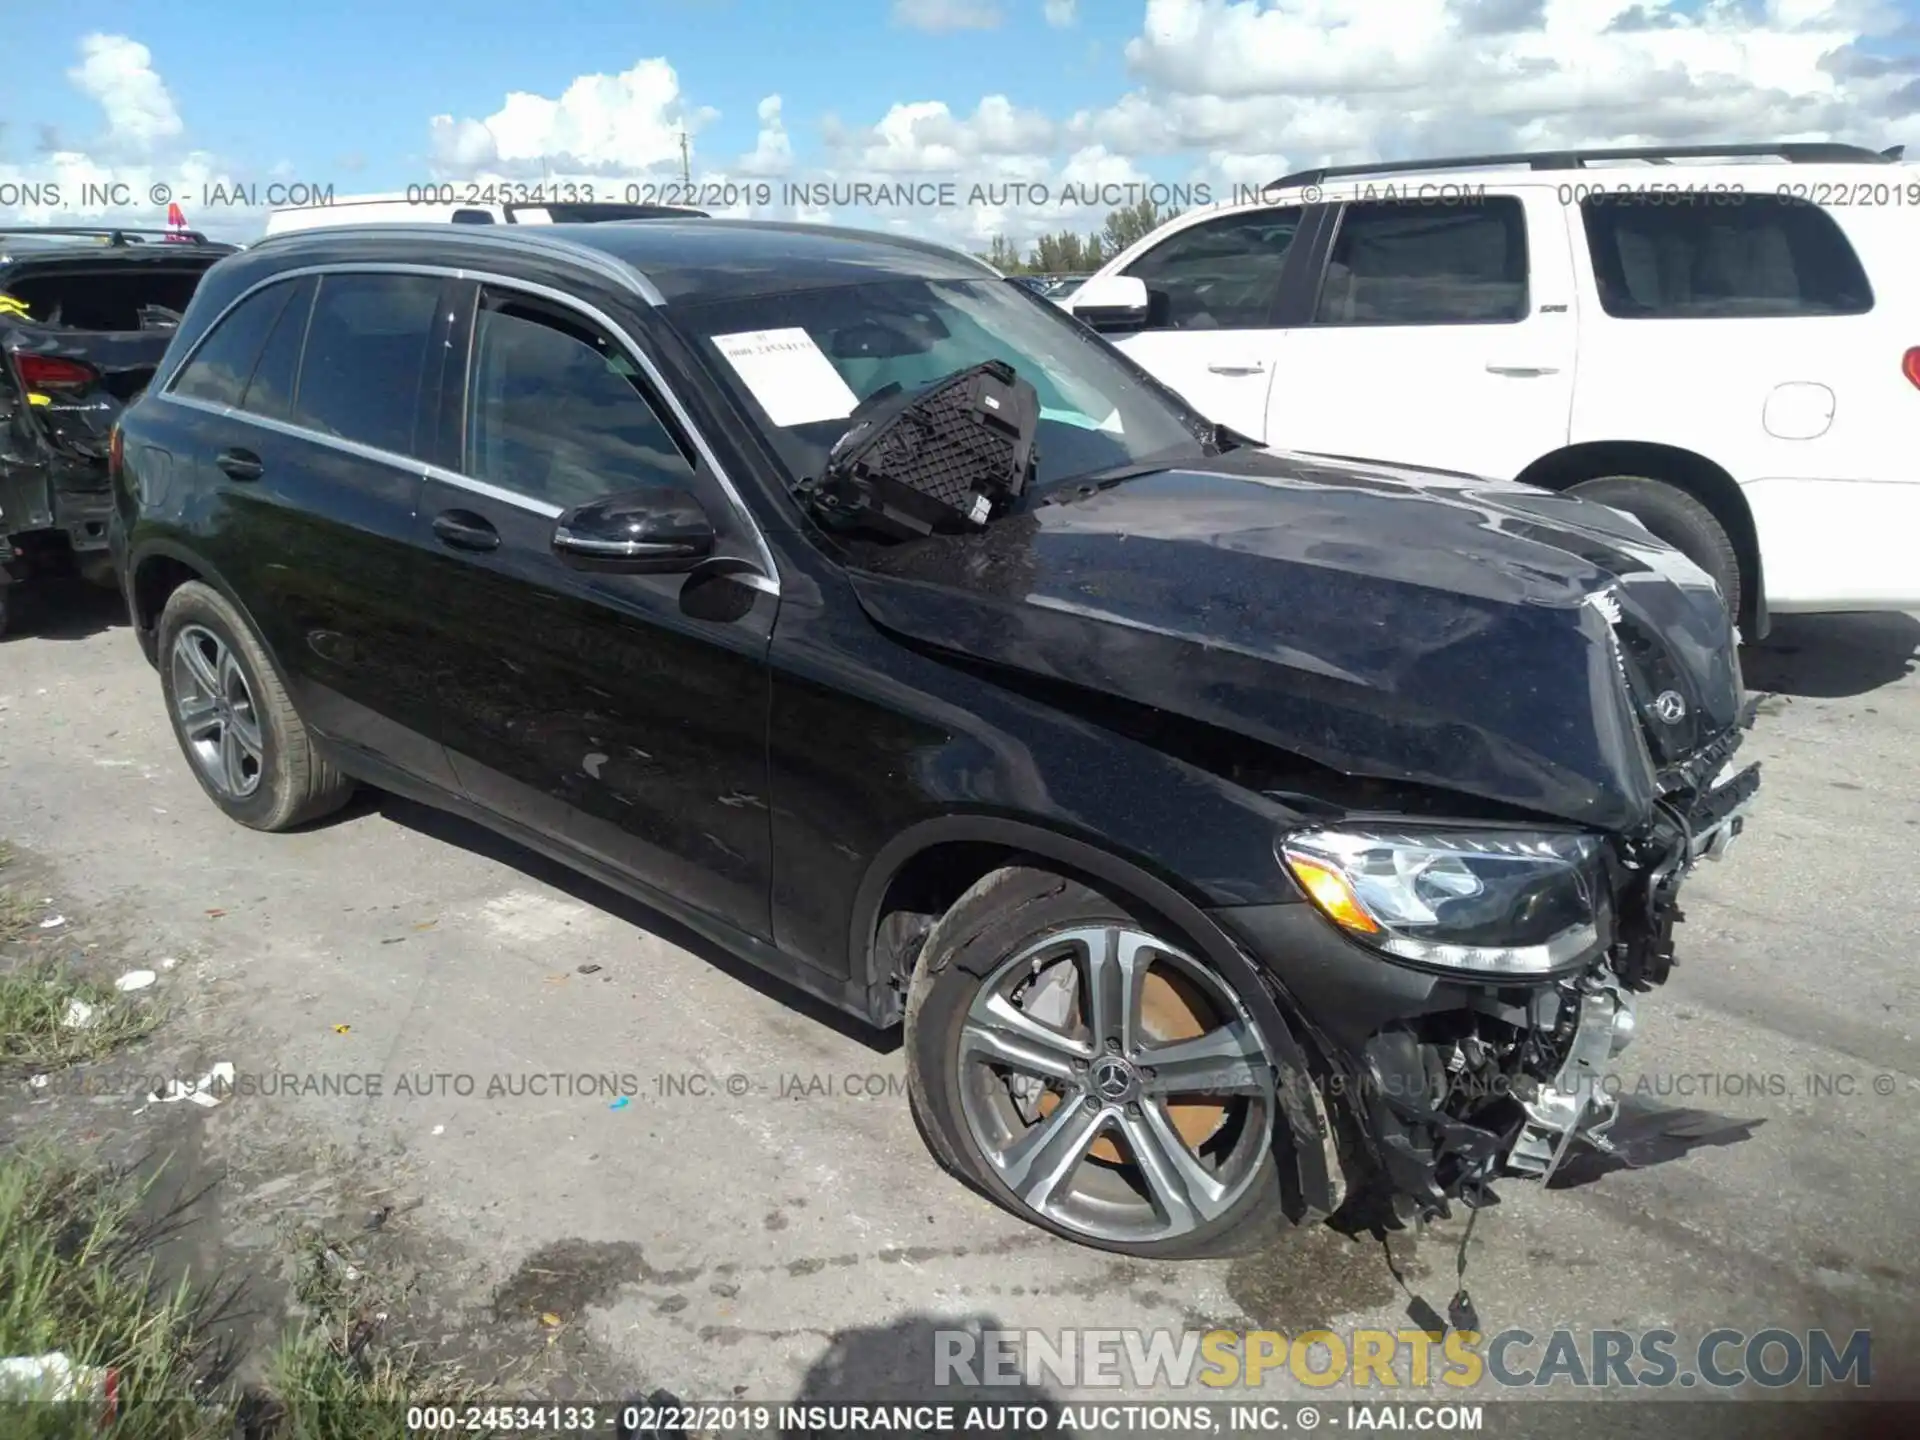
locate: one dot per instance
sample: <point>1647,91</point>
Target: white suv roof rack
<point>1793,152</point>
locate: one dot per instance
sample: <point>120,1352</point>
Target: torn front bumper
<point>1442,1082</point>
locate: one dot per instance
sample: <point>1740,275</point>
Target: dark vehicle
<point>85,315</point>
<point>1241,837</point>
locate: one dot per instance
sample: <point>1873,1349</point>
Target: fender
<point>1316,1184</point>
<point>162,548</point>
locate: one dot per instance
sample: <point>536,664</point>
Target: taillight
<point>116,453</point>
<point>49,372</point>
<point>1910,366</point>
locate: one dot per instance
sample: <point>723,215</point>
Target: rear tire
<point>1677,518</point>
<point>1067,1154</point>
<point>235,724</point>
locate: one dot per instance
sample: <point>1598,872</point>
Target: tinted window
<point>360,372</point>
<point>1435,263</point>
<point>556,412</point>
<point>1765,255</point>
<point>218,371</point>
<point>270,392</point>
<point>1220,274</point>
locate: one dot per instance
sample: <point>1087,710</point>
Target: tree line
<point>1068,253</point>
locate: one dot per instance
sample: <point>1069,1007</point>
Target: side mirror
<point>1111,302</point>
<point>649,530</point>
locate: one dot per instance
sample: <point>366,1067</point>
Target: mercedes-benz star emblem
<point>1112,1079</point>
<point>1670,706</point>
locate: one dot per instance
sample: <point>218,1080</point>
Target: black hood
<point>1474,635</point>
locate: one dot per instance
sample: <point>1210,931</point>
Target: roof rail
<point>534,239</point>
<point>1819,152</point>
<point>112,234</point>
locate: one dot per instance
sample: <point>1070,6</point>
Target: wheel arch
<point>942,858</point>
<point>1686,470</point>
<point>161,568</point>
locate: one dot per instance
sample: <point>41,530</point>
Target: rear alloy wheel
<point>1674,516</point>
<point>247,746</point>
<point>1092,1075</point>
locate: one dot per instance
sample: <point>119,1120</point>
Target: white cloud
<point>943,17</point>
<point>118,74</point>
<point>1354,79</point>
<point>1060,13</point>
<point>625,124</point>
<point>133,166</point>
<point>773,151</point>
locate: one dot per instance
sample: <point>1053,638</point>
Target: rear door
<point>323,391</point>
<point>1213,330</point>
<point>625,714</point>
<point>1443,334</point>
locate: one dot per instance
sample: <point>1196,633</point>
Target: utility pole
<point>686,168</point>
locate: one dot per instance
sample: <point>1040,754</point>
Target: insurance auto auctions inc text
<point>1723,1359</point>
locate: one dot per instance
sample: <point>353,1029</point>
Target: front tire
<point>1089,1073</point>
<point>243,740</point>
<point>1674,516</point>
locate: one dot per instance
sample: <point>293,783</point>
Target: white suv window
<point>1219,275</point>
<point>1751,256</point>
<point>1427,263</point>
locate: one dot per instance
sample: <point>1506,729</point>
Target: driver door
<point>623,714</point>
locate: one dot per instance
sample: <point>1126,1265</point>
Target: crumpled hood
<point>1474,635</point>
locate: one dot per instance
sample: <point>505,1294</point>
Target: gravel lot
<point>795,1239</point>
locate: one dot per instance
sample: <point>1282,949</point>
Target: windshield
<point>800,362</point>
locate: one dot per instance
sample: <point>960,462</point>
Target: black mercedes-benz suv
<point>1241,836</point>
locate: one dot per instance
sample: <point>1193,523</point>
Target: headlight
<point>1504,902</point>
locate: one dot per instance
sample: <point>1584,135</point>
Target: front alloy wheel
<point>1092,1075</point>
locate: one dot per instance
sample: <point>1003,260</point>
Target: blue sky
<point>1108,91</point>
<point>319,85</point>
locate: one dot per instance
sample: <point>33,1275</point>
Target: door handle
<point>464,530</point>
<point>1254,369</point>
<point>240,464</point>
<point>1523,372</point>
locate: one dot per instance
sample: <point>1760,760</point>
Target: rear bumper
<point>1833,545</point>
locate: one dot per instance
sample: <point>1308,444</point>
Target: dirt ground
<point>586,1150</point>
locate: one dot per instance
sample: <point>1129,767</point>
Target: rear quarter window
<point>1721,258</point>
<point>108,299</point>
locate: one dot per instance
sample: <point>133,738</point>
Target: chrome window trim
<point>428,470</point>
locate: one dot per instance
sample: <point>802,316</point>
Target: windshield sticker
<point>789,375</point>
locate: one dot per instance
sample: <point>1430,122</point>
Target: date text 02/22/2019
<point>634,1419</point>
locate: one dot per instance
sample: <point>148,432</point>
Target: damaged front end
<point>1504,1066</point>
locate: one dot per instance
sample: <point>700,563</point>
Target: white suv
<point>1730,351</point>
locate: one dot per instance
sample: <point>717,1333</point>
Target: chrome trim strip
<point>622,549</point>
<point>164,391</point>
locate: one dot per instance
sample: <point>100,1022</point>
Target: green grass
<point>36,997</point>
<point>76,1277</point>
<point>37,994</point>
<point>336,1376</point>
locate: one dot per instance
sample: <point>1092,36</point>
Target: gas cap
<point>1798,410</point>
